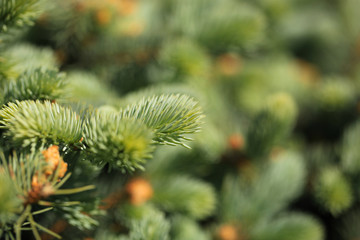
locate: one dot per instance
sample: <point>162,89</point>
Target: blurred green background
<point>278,155</point>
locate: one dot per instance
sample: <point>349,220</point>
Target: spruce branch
<point>185,195</point>
<point>281,182</point>
<point>170,116</point>
<point>37,84</point>
<point>17,12</point>
<point>272,124</point>
<point>35,176</point>
<point>293,226</point>
<point>187,228</point>
<point>9,204</point>
<point>243,26</point>
<point>333,190</point>
<point>153,226</point>
<point>350,153</point>
<point>33,122</point>
<point>80,217</point>
<point>121,142</point>
<point>24,56</point>
<point>145,223</point>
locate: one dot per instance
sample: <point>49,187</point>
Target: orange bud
<point>236,142</point>
<point>229,64</point>
<point>63,169</point>
<point>127,7</point>
<point>39,189</point>
<point>51,153</point>
<point>53,159</point>
<point>227,232</point>
<point>103,16</point>
<point>139,191</point>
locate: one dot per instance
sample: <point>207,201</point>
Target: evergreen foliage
<point>333,190</point>
<point>185,195</point>
<point>36,85</point>
<point>18,12</point>
<point>179,119</point>
<point>33,122</point>
<point>122,142</point>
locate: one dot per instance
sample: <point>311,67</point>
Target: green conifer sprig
<point>282,182</point>
<point>31,122</point>
<point>37,84</point>
<point>271,192</point>
<point>187,228</point>
<point>293,226</point>
<point>185,195</point>
<point>78,217</point>
<point>145,223</point>
<point>170,116</point>
<point>333,190</point>
<point>350,153</point>
<point>152,226</point>
<point>272,124</point>
<point>17,12</point>
<point>5,65</point>
<point>185,58</point>
<point>230,196</point>
<point>10,205</point>
<point>24,57</point>
<point>241,27</point>
<point>21,168</point>
<point>34,177</point>
<point>125,139</point>
<point>123,143</point>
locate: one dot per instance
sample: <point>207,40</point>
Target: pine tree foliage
<point>22,57</point>
<point>350,158</point>
<point>149,224</point>
<point>175,116</point>
<point>293,226</point>
<point>33,122</point>
<point>160,119</point>
<point>38,84</point>
<point>185,57</point>
<point>83,83</point>
<point>124,143</point>
<point>206,23</point>
<point>153,226</point>
<point>256,205</point>
<point>272,124</point>
<point>336,94</point>
<point>287,172</point>
<point>333,190</point>
<point>18,12</point>
<point>9,203</point>
<point>277,79</point>
<point>187,228</point>
<point>185,195</point>
<point>240,30</point>
<point>78,217</point>
<point>34,176</point>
